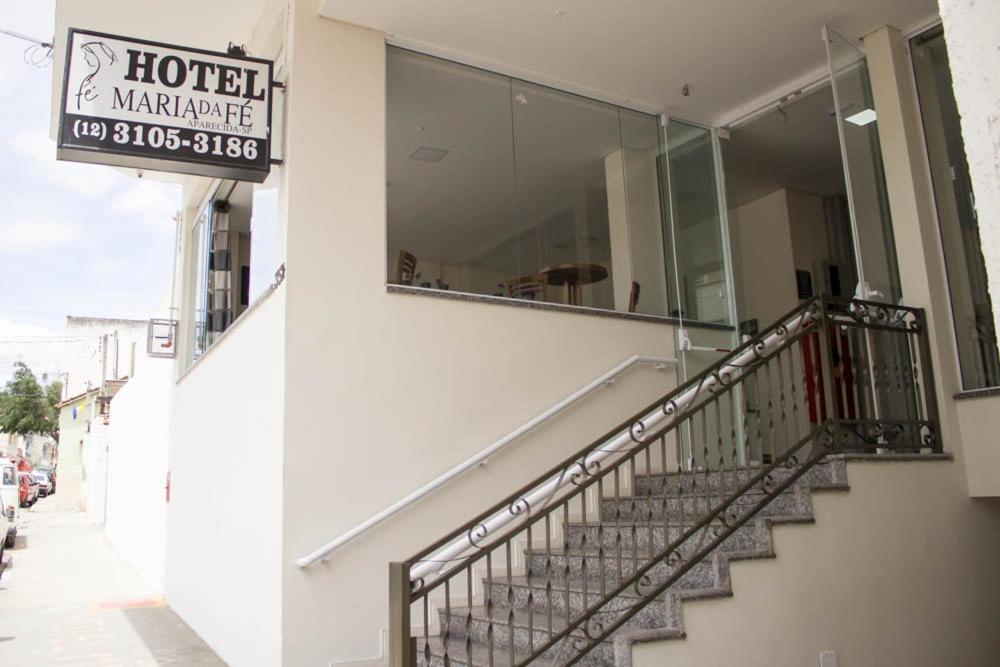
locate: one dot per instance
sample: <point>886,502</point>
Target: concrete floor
<point>68,600</point>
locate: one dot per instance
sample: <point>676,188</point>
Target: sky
<point>75,239</point>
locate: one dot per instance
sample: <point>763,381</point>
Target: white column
<point>971,32</point>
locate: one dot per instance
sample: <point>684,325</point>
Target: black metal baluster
<point>548,574</point>
<point>781,400</point>
<point>566,552</point>
<point>618,522</point>
<point>427,632</point>
<point>649,502</point>
<point>489,607</point>
<point>468,614</point>
<point>510,603</point>
<point>446,630</point>
<point>531,590</point>
<point>600,533</point>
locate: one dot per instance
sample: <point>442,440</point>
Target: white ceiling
<point>798,150</point>
<point>731,52</point>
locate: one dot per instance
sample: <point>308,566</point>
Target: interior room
<point>501,187</point>
<point>788,214</point>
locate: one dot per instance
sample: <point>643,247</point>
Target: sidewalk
<point>70,601</point>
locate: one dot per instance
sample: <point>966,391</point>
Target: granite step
<point>434,652</point>
<point>830,473</point>
<point>635,536</point>
<point>560,565</point>
<point>521,595</point>
<point>506,627</point>
<point>688,510</point>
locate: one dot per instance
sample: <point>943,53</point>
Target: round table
<point>572,277</point>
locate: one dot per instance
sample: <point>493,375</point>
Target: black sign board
<point>134,103</point>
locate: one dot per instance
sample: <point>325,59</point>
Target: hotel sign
<point>145,105</point>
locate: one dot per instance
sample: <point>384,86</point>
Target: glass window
<point>700,254</point>
<point>450,183</point>
<point>502,187</point>
<point>200,238</point>
<point>264,260</point>
<point>956,207</point>
<point>234,242</point>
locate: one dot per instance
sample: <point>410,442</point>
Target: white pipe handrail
<point>323,552</point>
<point>548,491</point>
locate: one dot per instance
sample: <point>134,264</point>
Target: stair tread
<point>501,616</point>
<point>577,587</point>
<point>456,649</point>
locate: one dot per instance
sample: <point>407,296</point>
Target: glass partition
<point>450,161</point>
<point>857,121</point>
<point>699,284</point>
<point>561,146</point>
<point>647,284</point>
<point>503,187</point>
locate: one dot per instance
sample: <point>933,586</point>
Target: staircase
<point>602,550</point>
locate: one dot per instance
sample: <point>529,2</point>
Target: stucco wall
<point>224,520</point>
<point>72,435</point>
<point>140,427</point>
<point>387,391</point>
<point>898,571</point>
<point>971,33</point>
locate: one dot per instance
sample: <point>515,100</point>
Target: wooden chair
<point>406,268</point>
<point>633,297</point>
<point>530,288</point>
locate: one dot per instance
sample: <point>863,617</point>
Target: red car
<point>28,489</point>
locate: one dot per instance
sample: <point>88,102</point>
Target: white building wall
<point>223,537</point>
<point>898,571</point>
<point>387,391</point>
<point>971,32</point>
<point>140,427</point>
<point>94,487</point>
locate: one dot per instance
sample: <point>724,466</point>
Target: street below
<point>68,599</point>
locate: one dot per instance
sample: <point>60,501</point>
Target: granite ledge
<point>544,305</point>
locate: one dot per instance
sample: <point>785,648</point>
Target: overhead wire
<point>39,54</point>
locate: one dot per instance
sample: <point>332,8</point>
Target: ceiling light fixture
<point>862,117</point>
<point>428,154</point>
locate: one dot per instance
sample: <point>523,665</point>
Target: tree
<point>26,407</point>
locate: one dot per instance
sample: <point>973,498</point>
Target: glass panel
<point>697,275</point>
<point>645,289</point>
<point>263,240</point>
<point>867,199</point>
<point>959,224</point>
<point>699,285</point>
<point>200,239</point>
<point>451,222</point>
<point>565,146</point>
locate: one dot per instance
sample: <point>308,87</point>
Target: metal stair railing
<point>692,468</point>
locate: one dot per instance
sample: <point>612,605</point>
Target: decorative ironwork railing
<point>551,572</point>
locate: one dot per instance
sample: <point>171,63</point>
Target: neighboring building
<point>481,208</point>
<point>99,344</point>
<point>76,415</point>
<point>36,449</point>
<point>83,463</point>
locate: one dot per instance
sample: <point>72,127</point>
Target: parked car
<point>51,472</point>
<point>9,499</point>
<point>4,532</point>
<point>29,489</point>
<point>44,485</point>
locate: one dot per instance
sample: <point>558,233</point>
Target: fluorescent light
<point>428,154</point>
<point>862,118</point>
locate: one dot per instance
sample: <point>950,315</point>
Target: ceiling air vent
<point>428,154</point>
